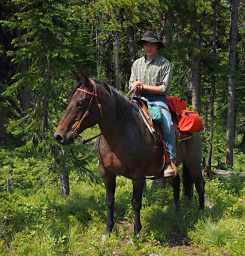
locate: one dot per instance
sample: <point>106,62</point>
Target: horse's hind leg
<point>176,188</point>
<point>193,175</point>
<point>199,185</point>
<point>110,185</point>
<point>187,183</point>
<point>138,186</point>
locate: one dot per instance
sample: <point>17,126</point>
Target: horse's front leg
<point>110,185</point>
<point>138,186</point>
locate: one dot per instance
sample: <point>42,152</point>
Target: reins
<point>92,138</point>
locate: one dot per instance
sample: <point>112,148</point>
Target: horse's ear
<point>82,78</point>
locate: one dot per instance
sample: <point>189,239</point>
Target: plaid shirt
<point>151,72</point>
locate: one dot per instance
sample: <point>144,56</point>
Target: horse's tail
<point>190,177</point>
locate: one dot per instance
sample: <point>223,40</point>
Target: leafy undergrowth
<point>41,222</point>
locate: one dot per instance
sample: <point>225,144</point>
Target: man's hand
<point>136,87</point>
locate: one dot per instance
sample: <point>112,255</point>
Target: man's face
<point>150,49</point>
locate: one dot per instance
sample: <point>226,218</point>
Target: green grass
<point>36,220</point>
<point>45,223</point>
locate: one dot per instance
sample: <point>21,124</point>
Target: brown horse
<point>126,147</point>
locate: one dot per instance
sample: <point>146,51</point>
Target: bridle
<point>76,126</point>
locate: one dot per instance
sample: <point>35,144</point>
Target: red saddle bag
<point>190,122</point>
<point>176,105</point>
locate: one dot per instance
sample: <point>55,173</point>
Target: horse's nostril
<point>58,137</point>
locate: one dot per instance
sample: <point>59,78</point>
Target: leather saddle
<point>143,110</point>
<point>154,127</point>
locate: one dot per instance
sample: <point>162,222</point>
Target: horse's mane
<point>82,78</point>
<point>114,92</point>
<point>124,105</point>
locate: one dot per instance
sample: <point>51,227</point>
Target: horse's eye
<point>80,104</point>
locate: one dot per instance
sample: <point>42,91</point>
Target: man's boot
<point>170,170</point>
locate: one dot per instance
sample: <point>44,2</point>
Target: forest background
<point>46,207</point>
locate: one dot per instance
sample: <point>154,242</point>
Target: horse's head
<point>83,111</point>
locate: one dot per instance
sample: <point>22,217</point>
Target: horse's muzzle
<point>64,140</point>
<point>59,138</point>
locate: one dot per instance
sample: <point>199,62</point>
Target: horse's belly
<point>130,162</point>
<point>141,159</point>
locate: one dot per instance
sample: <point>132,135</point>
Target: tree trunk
<point>196,71</point>
<point>45,106</point>
<point>196,84</point>
<point>61,167</point>
<point>243,139</point>
<point>116,61</point>
<point>107,59</point>
<point>126,63</point>
<point>230,129</point>
<point>211,131</point>
<point>98,57</point>
<point>213,89</point>
<point>166,31</point>
<point>131,46</point>
<point>10,184</point>
<point>64,180</point>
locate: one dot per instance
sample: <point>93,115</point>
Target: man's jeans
<point>160,112</point>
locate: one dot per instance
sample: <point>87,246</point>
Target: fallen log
<point>229,174</point>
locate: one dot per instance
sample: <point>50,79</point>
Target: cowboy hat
<point>150,37</point>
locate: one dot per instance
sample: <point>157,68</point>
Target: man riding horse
<point>149,79</point>
<point>126,146</point>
